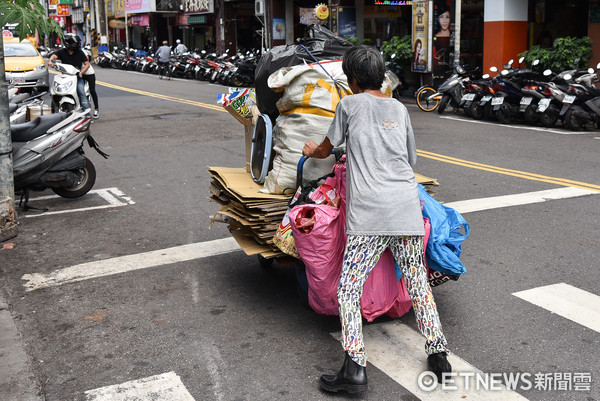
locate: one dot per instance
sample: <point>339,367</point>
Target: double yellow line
<point>164,97</point>
<point>514,173</point>
<point>422,153</point>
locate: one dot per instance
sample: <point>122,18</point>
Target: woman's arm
<point>311,149</point>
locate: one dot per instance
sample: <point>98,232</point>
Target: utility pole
<point>457,17</point>
<point>8,217</point>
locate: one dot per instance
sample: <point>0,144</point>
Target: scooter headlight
<point>64,88</point>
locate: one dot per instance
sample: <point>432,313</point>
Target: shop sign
<point>199,6</point>
<point>65,2</point>
<point>421,36</point>
<point>181,19</point>
<point>392,3</point>
<point>62,9</point>
<point>196,19</point>
<point>140,20</point>
<point>6,33</point>
<point>307,16</point>
<point>137,6</point>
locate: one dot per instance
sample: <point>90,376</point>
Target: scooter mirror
<point>535,62</point>
<point>393,56</point>
<point>590,70</point>
<point>598,66</point>
<point>521,59</point>
<point>547,72</point>
<point>511,61</point>
<point>504,72</point>
<point>485,76</point>
<point>493,69</point>
<point>568,77</point>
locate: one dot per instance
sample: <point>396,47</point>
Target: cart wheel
<point>265,263</point>
<point>302,284</point>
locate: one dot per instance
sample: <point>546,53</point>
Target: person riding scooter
<point>73,55</point>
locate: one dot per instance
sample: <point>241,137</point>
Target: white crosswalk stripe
<point>163,387</point>
<point>567,301</point>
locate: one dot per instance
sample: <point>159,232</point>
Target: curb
<point>17,381</point>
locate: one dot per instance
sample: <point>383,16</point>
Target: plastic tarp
<point>322,43</point>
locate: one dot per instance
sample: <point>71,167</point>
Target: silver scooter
<point>48,153</point>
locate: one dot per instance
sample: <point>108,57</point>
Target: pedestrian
<point>180,48</point>
<point>383,210</point>
<point>163,54</point>
<point>73,55</point>
<point>90,77</point>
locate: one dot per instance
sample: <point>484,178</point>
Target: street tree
<point>30,16</point>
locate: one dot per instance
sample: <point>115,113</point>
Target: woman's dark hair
<point>442,8</point>
<point>366,65</point>
<point>417,42</point>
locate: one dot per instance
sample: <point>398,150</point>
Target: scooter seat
<point>20,97</point>
<point>30,130</point>
<point>12,107</point>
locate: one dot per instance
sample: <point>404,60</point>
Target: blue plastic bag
<point>444,246</point>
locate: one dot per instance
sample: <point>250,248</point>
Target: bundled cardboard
<point>253,217</point>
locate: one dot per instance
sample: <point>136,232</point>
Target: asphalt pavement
<point>130,288</point>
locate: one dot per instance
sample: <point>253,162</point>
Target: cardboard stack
<point>253,217</point>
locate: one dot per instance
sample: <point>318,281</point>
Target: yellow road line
<point>514,173</point>
<point>164,97</point>
<point>430,155</point>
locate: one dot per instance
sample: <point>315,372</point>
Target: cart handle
<point>338,152</point>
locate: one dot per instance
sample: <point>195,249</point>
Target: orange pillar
<point>504,31</point>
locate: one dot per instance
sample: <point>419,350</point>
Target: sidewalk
<point>17,382</point>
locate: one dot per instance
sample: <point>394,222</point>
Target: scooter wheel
<point>477,111</point>
<point>87,180</point>
<point>443,104</point>
<point>572,121</point>
<point>503,115</point>
<point>532,117</point>
<point>549,117</point>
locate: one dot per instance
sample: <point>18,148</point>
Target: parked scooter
<point>586,107</point>
<point>17,106</point>
<point>48,153</point>
<point>64,89</point>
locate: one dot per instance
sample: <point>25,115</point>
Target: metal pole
<point>97,17</point>
<point>126,33</point>
<point>8,218</point>
<point>457,17</point>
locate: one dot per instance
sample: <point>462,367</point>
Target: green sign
<point>65,1</point>
<point>197,19</point>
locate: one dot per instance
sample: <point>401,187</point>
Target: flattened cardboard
<point>240,182</point>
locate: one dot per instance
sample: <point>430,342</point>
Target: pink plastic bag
<point>322,251</point>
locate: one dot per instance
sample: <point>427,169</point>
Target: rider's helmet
<point>71,41</point>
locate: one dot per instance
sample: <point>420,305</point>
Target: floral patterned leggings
<point>361,255</point>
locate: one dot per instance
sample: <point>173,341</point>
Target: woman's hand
<point>309,148</point>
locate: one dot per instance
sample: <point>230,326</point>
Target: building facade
<point>489,31</point>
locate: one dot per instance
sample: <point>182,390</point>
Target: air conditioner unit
<point>259,7</point>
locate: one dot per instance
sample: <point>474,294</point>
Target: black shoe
<point>438,364</point>
<point>352,378</point>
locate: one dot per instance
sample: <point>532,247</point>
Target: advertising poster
<point>347,22</point>
<point>307,16</point>
<point>420,36</point>
<point>278,28</point>
<point>443,35</point>
<point>137,6</point>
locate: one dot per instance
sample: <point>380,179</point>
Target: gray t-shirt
<point>381,191</point>
<point>163,53</point>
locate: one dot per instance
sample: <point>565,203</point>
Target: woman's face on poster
<point>444,20</point>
